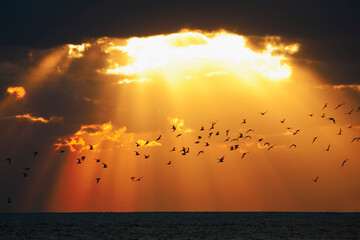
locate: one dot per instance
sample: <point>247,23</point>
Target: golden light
<point>29,117</point>
<point>17,92</point>
<point>76,51</point>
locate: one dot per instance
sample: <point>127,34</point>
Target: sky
<point>260,100</point>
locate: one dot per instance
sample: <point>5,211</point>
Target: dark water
<point>202,225</point>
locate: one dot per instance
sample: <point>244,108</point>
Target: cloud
<point>355,87</point>
<point>17,92</point>
<point>27,116</point>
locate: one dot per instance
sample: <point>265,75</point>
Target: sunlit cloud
<point>28,116</point>
<point>127,81</point>
<point>76,51</point>
<point>17,92</point>
<point>350,86</point>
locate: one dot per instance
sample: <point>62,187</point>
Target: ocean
<point>180,225</point>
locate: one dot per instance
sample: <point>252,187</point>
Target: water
<point>180,225</point>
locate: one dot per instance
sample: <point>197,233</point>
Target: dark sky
<point>327,30</point>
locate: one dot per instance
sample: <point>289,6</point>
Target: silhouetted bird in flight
<point>207,144</point>
<point>97,160</point>
<point>97,180</point>
<point>79,160</point>
<point>202,128</point>
<point>199,137</point>
<point>350,126</point>
<point>35,153</point>
<point>137,144</point>
<point>296,131</point>
<point>310,115</point>
<point>173,149</point>
<point>146,156</point>
<point>147,142</point>
<point>315,180</point>
<point>227,139</point>
<point>323,116</point>
<point>221,159</point>
<point>8,159</point>
<point>240,135</point>
<point>282,121</point>
<point>9,200</point>
<point>217,133</point>
<point>270,147</point>
<point>263,113</point>
<point>247,136</point>
<point>83,158</point>
<point>328,148</point>
<point>260,139</point>
<point>358,109</point>
<point>324,106</point>
<point>158,138</point>
<point>314,139</point>
<point>244,121</point>
<point>243,155</point>
<point>200,152</point>
<point>91,147</point>
<point>350,112</point>
<point>137,153</point>
<point>173,128</point>
<point>210,133</point>
<point>24,174</point>
<point>134,179</point>
<point>27,169</point>
<point>197,142</point>
<point>293,145</point>
<point>227,132</point>
<point>339,105</point>
<point>213,125</point>
<point>250,130</point>
<point>62,151</point>
<point>357,139</point>
<point>332,119</point>
<point>267,143</point>
<point>169,163</point>
<point>178,135</point>
<point>339,132</point>
<point>105,165</point>
<point>344,162</point>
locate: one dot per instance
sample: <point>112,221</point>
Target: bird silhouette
<point>293,145</point>
<point>358,109</point>
<point>199,137</point>
<point>243,155</point>
<point>169,163</point>
<point>24,174</point>
<point>97,160</point>
<point>173,149</point>
<point>240,135</point>
<point>105,165</point>
<point>267,143</point>
<point>296,131</point>
<point>350,126</point>
<point>207,144</point>
<point>62,151</point>
<point>34,154</point>
<point>137,153</point>
<point>315,180</point>
<point>173,128</point>
<point>339,105</point>
<point>9,200</point>
<point>328,148</point>
<point>202,128</point>
<point>350,112</point>
<point>8,159</point>
<point>355,139</point>
<point>310,115</point>
<point>137,144</point>
<point>247,136</point>
<point>344,162</point>
<point>158,138</point>
<point>221,159</point>
<point>323,116</point>
<point>260,139</point>
<point>91,147</point>
<point>79,161</point>
<point>200,152</point>
<point>250,130</point>
<point>339,132</point>
<point>263,113</point>
<point>332,119</point>
<point>197,142</point>
<point>97,180</point>
<point>282,121</point>
<point>314,139</point>
<point>210,133</point>
<point>146,156</point>
<point>227,139</point>
<point>134,179</point>
<point>178,135</point>
<point>217,133</point>
<point>270,147</point>
<point>146,143</point>
<point>27,169</point>
<point>227,132</point>
<point>324,106</point>
<point>83,158</point>
<point>244,121</point>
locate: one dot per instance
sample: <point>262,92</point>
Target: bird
<point>146,156</point>
<point>91,147</point>
<point>267,143</point>
<point>260,139</point>
<point>217,133</point>
<point>207,144</point>
<point>199,137</point>
<point>358,109</point>
<point>147,142</point>
<point>79,161</point>
<point>250,130</point>
<point>202,128</point>
<point>173,149</point>
<point>34,154</point>
<point>24,174</point>
<point>178,135</point>
<point>293,145</point>
<point>221,159</point>
<point>324,106</point>
<point>263,113</point>
<point>310,115</point>
<point>350,126</point>
<point>315,180</point>
<point>8,159</point>
<point>227,139</point>
<point>243,155</point>
<point>158,138</point>
<point>339,132</point>
<point>354,139</point>
<point>332,119</point>
<point>97,180</point>
<point>97,160</point>
<point>197,142</point>
<point>296,131</point>
<point>247,136</point>
<point>282,121</point>
<point>240,135</point>
<point>27,169</point>
<point>137,153</point>
<point>323,116</point>
<point>105,165</point>
<point>227,132</point>
<point>339,105</point>
<point>200,152</point>
<point>138,179</point>
<point>328,148</point>
<point>83,158</point>
<point>270,147</point>
<point>62,151</point>
<point>314,139</point>
<point>134,179</point>
<point>210,133</point>
<point>344,162</point>
<point>244,121</point>
<point>350,112</point>
<point>173,128</point>
<point>213,124</point>
<point>137,144</point>
<point>169,163</point>
<point>9,200</point>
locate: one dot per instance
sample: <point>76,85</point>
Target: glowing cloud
<point>17,92</point>
<point>76,51</point>
<point>37,119</point>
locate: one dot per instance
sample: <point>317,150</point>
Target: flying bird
<point>293,145</point>
<point>147,142</point>
<point>210,133</point>
<point>83,158</point>
<point>158,138</point>
<point>221,159</point>
<point>250,130</point>
<point>97,180</point>
<point>134,179</point>
<point>27,169</point>
<point>137,144</point>
<point>310,115</point>
<point>34,154</point>
<point>24,174</point>
<point>62,151</point>
<point>332,119</point>
<point>324,106</point>
<point>339,132</point>
<point>296,131</point>
<point>8,159</point>
<point>263,113</point>
<point>339,105</point>
<point>267,143</point>
<point>350,112</point>
<point>270,147</point>
<point>207,144</point>
<point>202,128</point>
<point>173,128</point>
<point>79,161</point>
<point>247,136</point>
<point>314,139</point>
<point>323,116</point>
<point>328,148</point>
<point>97,160</point>
<point>315,180</point>
<point>217,133</point>
<point>282,121</point>
<point>146,156</point>
<point>9,200</point>
<point>105,165</point>
<point>200,152</point>
<point>260,139</point>
<point>137,153</point>
<point>227,139</point>
<point>244,121</point>
<point>173,149</point>
<point>243,155</point>
<point>227,132</point>
<point>344,162</point>
<point>91,147</point>
<point>178,135</point>
<point>169,163</point>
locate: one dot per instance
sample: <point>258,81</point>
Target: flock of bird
<point>206,135</point>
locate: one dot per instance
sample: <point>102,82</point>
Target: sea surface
<point>180,225</point>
